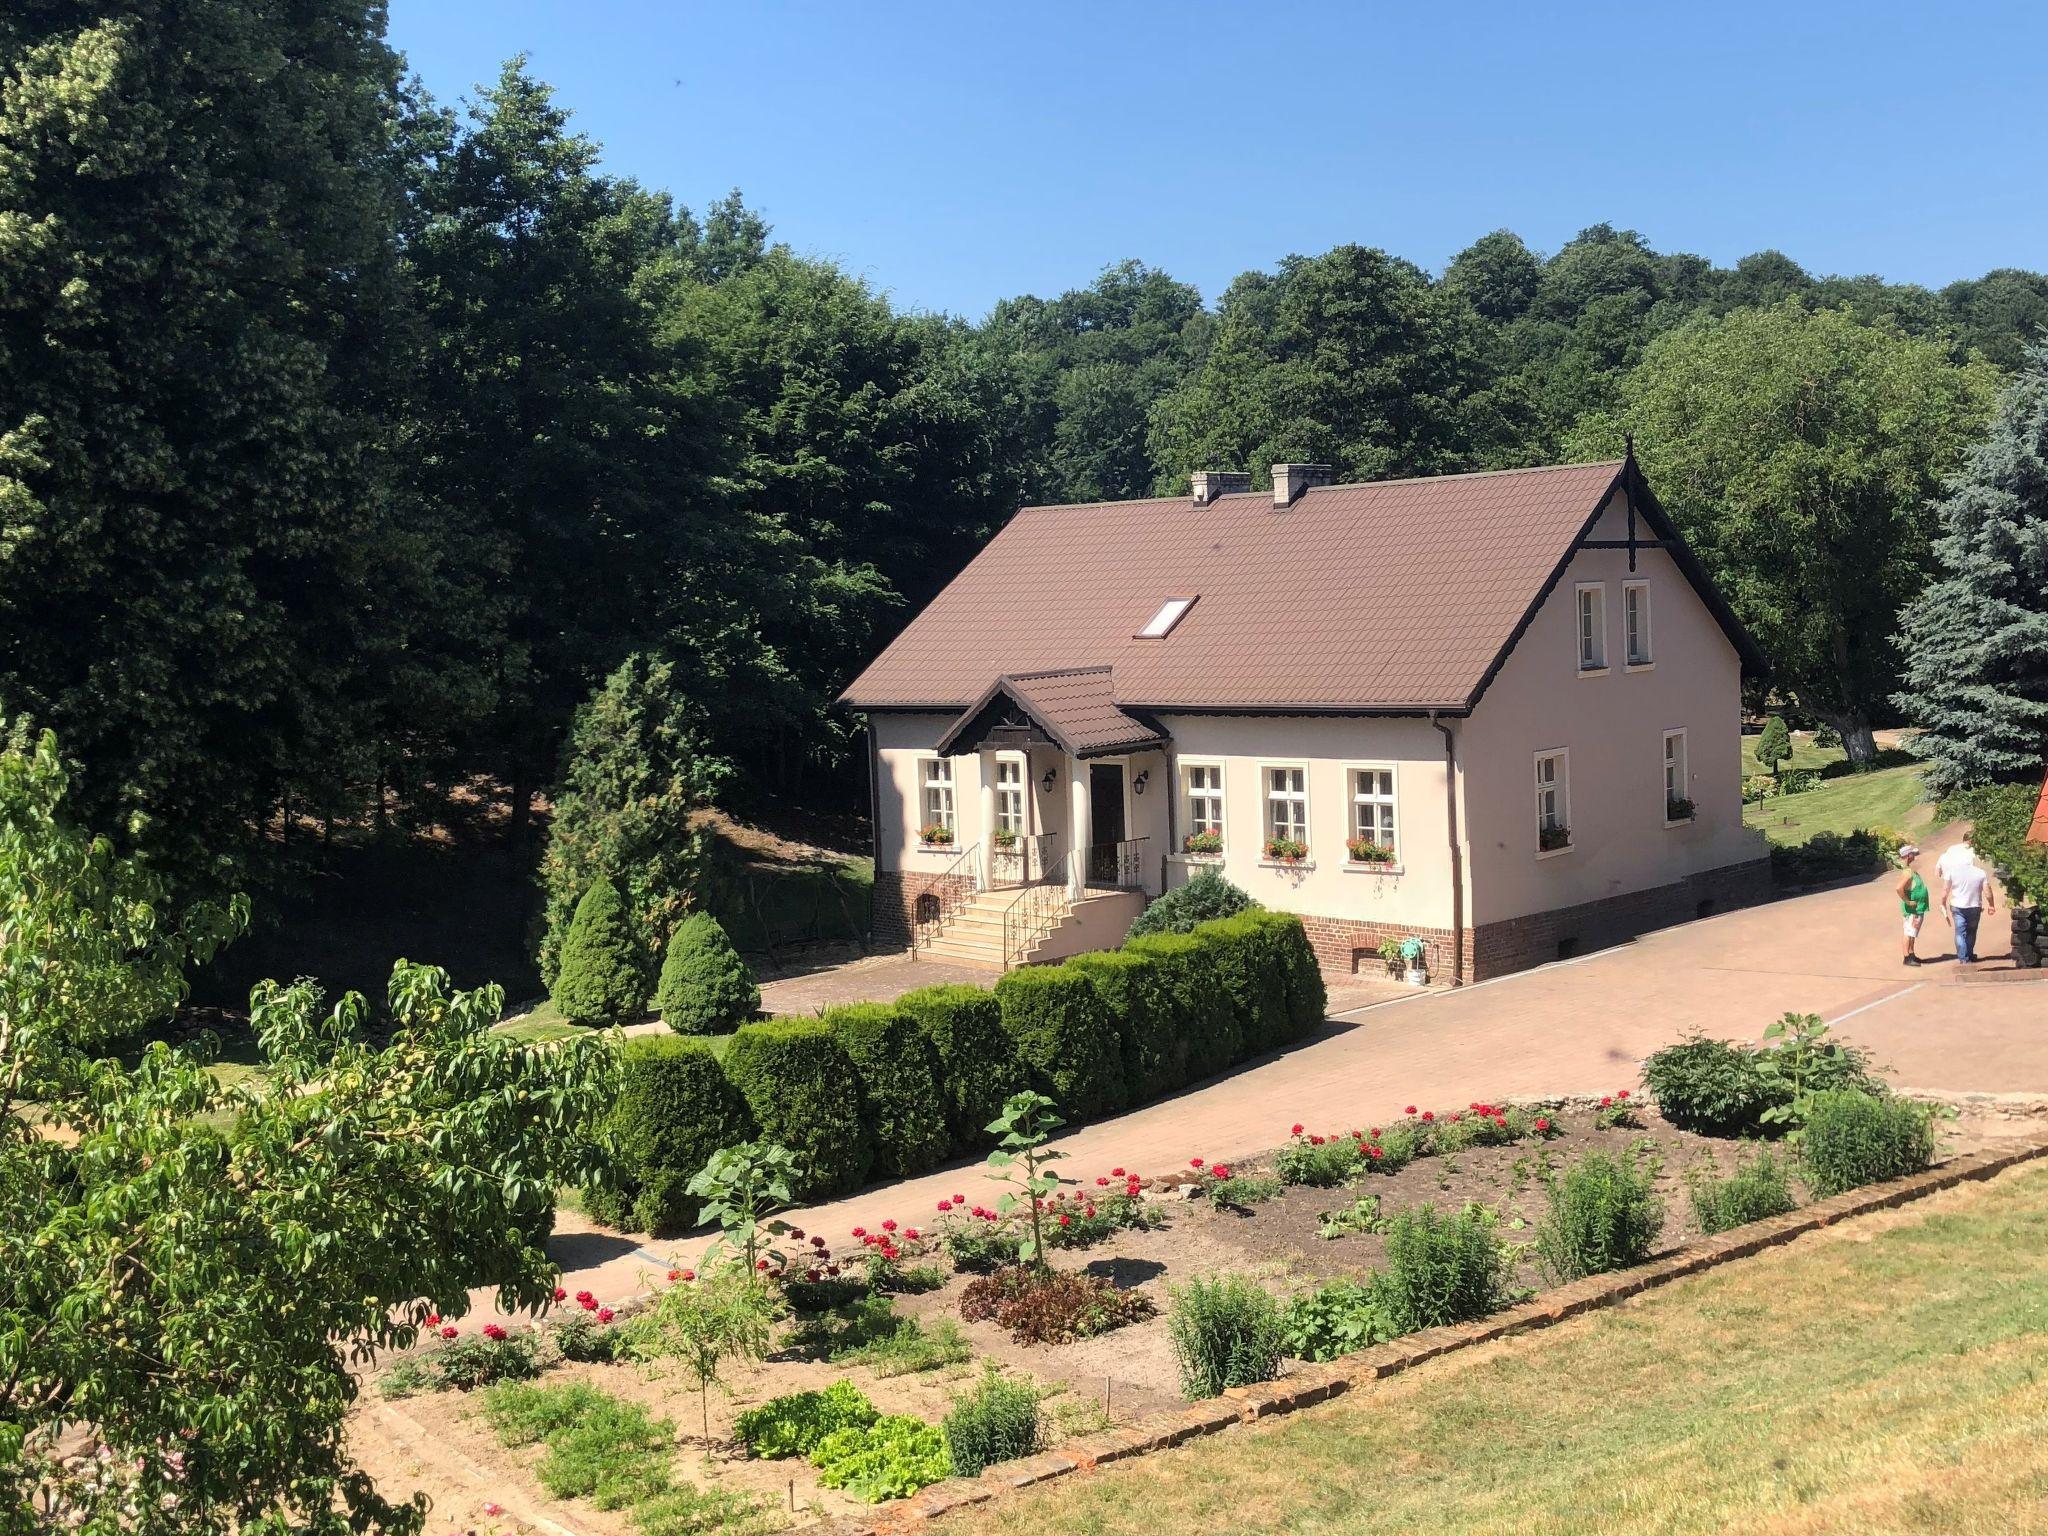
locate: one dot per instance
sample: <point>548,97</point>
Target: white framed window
<point>1170,613</point>
<point>1286,803</point>
<point>1010,795</point>
<point>935,797</point>
<point>1372,810</point>
<point>1202,804</point>
<point>1677,782</point>
<point>1635,623</point>
<point>1553,801</point>
<point>1592,626</point>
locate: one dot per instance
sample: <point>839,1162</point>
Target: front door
<point>1105,821</point>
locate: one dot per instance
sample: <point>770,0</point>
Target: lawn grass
<point>1805,754</point>
<point>1885,797</point>
<point>1891,1375</point>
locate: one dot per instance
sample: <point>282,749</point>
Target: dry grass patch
<point>1888,1376</point>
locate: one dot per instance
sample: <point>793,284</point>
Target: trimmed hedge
<point>806,1095</point>
<point>705,986</point>
<point>1203,1013</point>
<point>977,1060</point>
<point>899,1082</point>
<point>1241,957</point>
<point>675,1107</point>
<point>1066,1038</point>
<point>1133,987</point>
<point>1292,956</point>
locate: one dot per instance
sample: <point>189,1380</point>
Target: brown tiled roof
<point>1391,595</point>
<point>1077,709</point>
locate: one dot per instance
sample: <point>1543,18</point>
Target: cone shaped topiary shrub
<point>1133,987</point>
<point>977,1060</point>
<point>805,1095</point>
<point>1203,1013</point>
<point>706,987</point>
<point>675,1107</point>
<point>899,1081</point>
<point>1066,1038</point>
<point>603,977</point>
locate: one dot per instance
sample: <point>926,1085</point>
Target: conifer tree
<point>603,979</point>
<point>1976,641</point>
<point>705,985</point>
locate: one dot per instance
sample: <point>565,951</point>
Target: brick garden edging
<point>1318,1383</point>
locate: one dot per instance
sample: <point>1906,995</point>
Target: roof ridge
<point>1347,485</point>
<point>1025,677</point>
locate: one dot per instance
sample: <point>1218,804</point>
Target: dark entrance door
<point>1105,821</point>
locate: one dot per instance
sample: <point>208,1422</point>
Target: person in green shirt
<point>1912,898</point>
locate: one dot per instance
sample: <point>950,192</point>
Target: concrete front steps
<point>973,935</point>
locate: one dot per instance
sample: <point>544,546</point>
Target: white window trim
<point>1685,772</point>
<point>1564,784</point>
<point>1265,806</point>
<point>918,822</point>
<point>1649,628</point>
<point>1578,653</point>
<point>1393,772</point>
<point>1180,788</point>
<point>1023,763</point>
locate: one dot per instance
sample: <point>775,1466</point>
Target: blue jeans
<point>1966,931</point>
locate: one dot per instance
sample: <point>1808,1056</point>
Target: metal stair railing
<point>1036,910</point>
<point>950,891</point>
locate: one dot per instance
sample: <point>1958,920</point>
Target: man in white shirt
<point>1965,896</point>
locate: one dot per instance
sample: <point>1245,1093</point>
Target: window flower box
<point>1553,839</point>
<point>1364,850</point>
<point>935,836</point>
<point>1285,850</point>
<point>1678,810</point>
<point>1202,842</point>
<point>1004,839</point>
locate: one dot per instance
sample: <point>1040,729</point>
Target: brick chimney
<point>1290,480</point>
<point>1211,483</point>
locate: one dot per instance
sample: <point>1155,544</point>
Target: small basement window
<point>1169,614</point>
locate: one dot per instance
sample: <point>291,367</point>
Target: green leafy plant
<point>599,1447</point>
<point>1019,1160</point>
<point>1678,808</point>
<point>725,1314</point>
<point>889,1459</point>
<point>1363,850</point>
<point>1206,896</point>
<point>1604,1215</point>
<point>705,986</point>
<point>1360,1216</point>
<point>1773,747</point>
<point>1855,1138</point>
<point>1284,850</point>
<point>1443,1268</point>
<point>1202,842</point>
<point>935,835</point>
<point>603,976</point>
<point>1228,1189</point>
<point>582,1336</point>
<point>1756,1189</point>
<point>1336,1319</point>
<point>794,1424</point>
<point>1226,1332</point>
<point>741,1189</point>
<point>478,1359</point>
<point>996,1420</point>
<point>1798,1061</point>
<point>1712,1087</point>
<point>1320,1161</point>
<point>872,1333</point>
<point>1042,1306</point>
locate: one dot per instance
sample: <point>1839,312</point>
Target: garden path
<point>1581,1026</point>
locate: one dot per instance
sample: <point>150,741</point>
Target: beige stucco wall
<point>1327,884</point>
<point>1613,726</point>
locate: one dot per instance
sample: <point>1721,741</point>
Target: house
<point>1499,712</point>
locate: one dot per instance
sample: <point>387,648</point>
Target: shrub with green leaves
<point>805,1095</point>
<point>599,1447</point>
<point>705,988</point>
<point>1208,895</point>
<point>1134,989</point>
<point>1756,1189</point>
<point>1293,962</point>
<point>1443,1268</point>
<point>1320,1162</point>
<point>978,1063</point>
<point>1712,1087</point>
<point>1242,966</point>
<point>899,1085</point>
<point>1065,1037</point>
<point>1336,1319</point>
<point>674,1108</point>
<point>1202,1012</point>
<point>584,1337</point>
<point>1855,1138</point>
<point>603,974</point>
<point>793,1425</point>
<point>996,1420</point>
<point>889,1459</point>
<point>1226,1332</point>
<point>464,1364</point>
<point>869,1331</point>
<point>1604,1215</point>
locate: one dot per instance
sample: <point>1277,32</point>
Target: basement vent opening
<point>1169,614</point>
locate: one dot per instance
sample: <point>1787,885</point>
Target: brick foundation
<point>896,894</point>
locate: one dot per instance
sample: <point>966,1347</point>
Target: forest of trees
<point>349,441</point>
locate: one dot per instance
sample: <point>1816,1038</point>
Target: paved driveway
<point>1579,1027</point>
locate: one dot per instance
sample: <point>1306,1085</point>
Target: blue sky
<point>956,154</point>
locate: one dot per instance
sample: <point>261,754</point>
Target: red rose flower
<point>817,1242</point>
<point>1102,1183</point>
<point>585,1296</point>
<point>889,1225</point>
<point>493,1331</point>
<point>1429,1114</point>
<point>959,1199</point>
<point>689,1275</point>
<point>589,1305</point>
<point>560,1294</point>
<point>911,1234</point>
<point>1542,1124</point>
<point>1315,1141</point>
<point>1374,1152</point>
<point>1297,1128</point>
<point>945,1205</point>
<point>605,1314</point>
<point>1116,1173</point>
<point>1194,1162</point>
<point>1090,1212</point>
<point>675,1274</point>
<point>1606,1100</point>
<point>448,1333</point>
<point>811,1275</point>
<point>860,1231</point>
<point>1219,1171</point>
<point>433,1319</point>
<point>1375,1133</point>
<point>1621,1093</point>
<point>1409,1110</point>
<point>796,1232</point>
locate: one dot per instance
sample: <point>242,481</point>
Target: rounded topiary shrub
<point>977,1060</point>
<point>705,987</point>
<point>603,976</point>
<point>1241,966</point>
<point>805,1095</point>
<point>1204,1016</point>
<point>675,1107</point>
<point>1065,1037</point>
<point>1134,989</point>
<point>1294,964</point>
<point>899,1082</point>
<point>1208,895</point>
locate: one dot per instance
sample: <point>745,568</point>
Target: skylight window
<point>1169,614</point>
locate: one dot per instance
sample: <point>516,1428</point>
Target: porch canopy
<point>1074,709</point>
